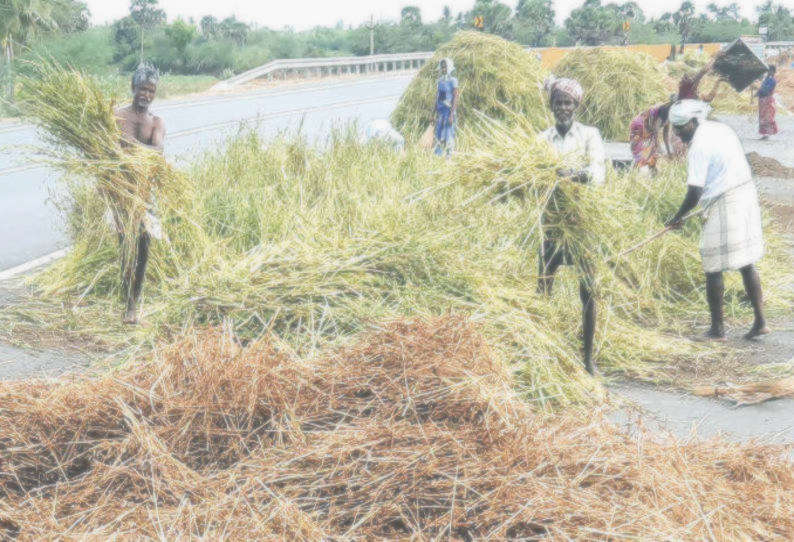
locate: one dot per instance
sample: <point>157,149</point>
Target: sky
<point>303,14</point>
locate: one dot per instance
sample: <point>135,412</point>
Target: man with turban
<point>719,178</point>
<point>582,154</point>
<point>141,128</point>
<point>446,108</point>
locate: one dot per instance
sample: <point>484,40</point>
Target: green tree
<point>71,16</point>
<point>778,20</point>
<point>683,19</point>
<point>496,17</point>
<point>209,26</point>
<point>446,15</point>
<point>126,34</point>
<point>232,29</point>
<point>724,13</point>
<point>181,34</point>
<point>411,16</point>
<point>146,13</point>
<point>592,23</point>
<point>19,20</point>
<point>534,21</point>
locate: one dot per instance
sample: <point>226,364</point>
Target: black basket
<point>740,65</point>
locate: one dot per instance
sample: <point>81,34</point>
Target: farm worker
<point>644,135</point>
<point>688,86</point>
<point>581,151</point>
<point>719,178</point>
<point>382,130</point>
<point>446,108</point>
<point>139,128</point>
<point>766,105</point>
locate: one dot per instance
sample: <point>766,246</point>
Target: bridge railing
<point>319,67</point>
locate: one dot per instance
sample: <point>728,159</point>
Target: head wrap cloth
<point>570,87</point>
<point>685,110</point>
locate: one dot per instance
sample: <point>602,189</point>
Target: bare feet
<point>130,316</point>
<point>758,329</point>
<point>591,368</point>
<point>712,336</point>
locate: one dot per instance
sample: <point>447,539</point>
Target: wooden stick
<point>657,235</point>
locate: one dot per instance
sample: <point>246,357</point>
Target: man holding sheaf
<point>139,127</point>
<point>581,151</point>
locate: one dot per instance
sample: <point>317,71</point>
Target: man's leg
<point>134,296</point>
<point>550,259</point>
<point>125,275</point>
<point>588,323</point>
<point>715,290</point>
<point>752,285</point>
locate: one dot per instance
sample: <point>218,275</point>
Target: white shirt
<point>716,160</point>
<point>581,148</point>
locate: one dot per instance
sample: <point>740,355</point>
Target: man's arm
<point>707,68</point>
<point>597,156</point>
<point>697,170</point>
<point>691,200</point>
<point>158,136</point>
<point>666,136</point>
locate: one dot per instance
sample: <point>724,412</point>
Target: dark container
<point>740,65</point>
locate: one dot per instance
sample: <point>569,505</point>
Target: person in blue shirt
<point>446,108</point>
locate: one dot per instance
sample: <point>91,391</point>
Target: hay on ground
<point>316,243</point>
<point>412,432</point>
<point>498,78</point>
<point>618,85</point>
<point>750,394</point>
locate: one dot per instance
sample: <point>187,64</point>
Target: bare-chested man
<point>139,127</point>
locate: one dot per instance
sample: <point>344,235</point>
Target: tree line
<point>222,47</point>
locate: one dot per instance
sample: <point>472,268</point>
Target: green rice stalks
<point>316,244</point>
<point>618,85</point>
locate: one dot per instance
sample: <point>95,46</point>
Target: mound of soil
<point>764,166</point>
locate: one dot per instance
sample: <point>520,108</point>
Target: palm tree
<point>19,20</point>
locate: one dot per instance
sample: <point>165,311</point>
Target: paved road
<point>30,224</point>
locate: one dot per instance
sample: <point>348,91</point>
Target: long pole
<point>371,35</point>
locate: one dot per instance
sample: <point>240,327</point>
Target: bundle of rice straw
<point>618,85</point>
<point>315,244</point>
<point>413,432</point>
<point>79,126</point>
<point>497,78</point>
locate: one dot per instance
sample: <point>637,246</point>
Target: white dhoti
<point>731,236</point>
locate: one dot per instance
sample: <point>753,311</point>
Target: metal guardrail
<point>318,67</point>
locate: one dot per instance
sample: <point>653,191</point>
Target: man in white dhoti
<point>719,178</point>
<point>581,150</point>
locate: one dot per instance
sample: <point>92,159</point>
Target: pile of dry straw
<point>412,432</point>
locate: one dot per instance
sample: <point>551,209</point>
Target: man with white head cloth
<point>720,180</point>
<point>582,154</point>
<point>446,108</point>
